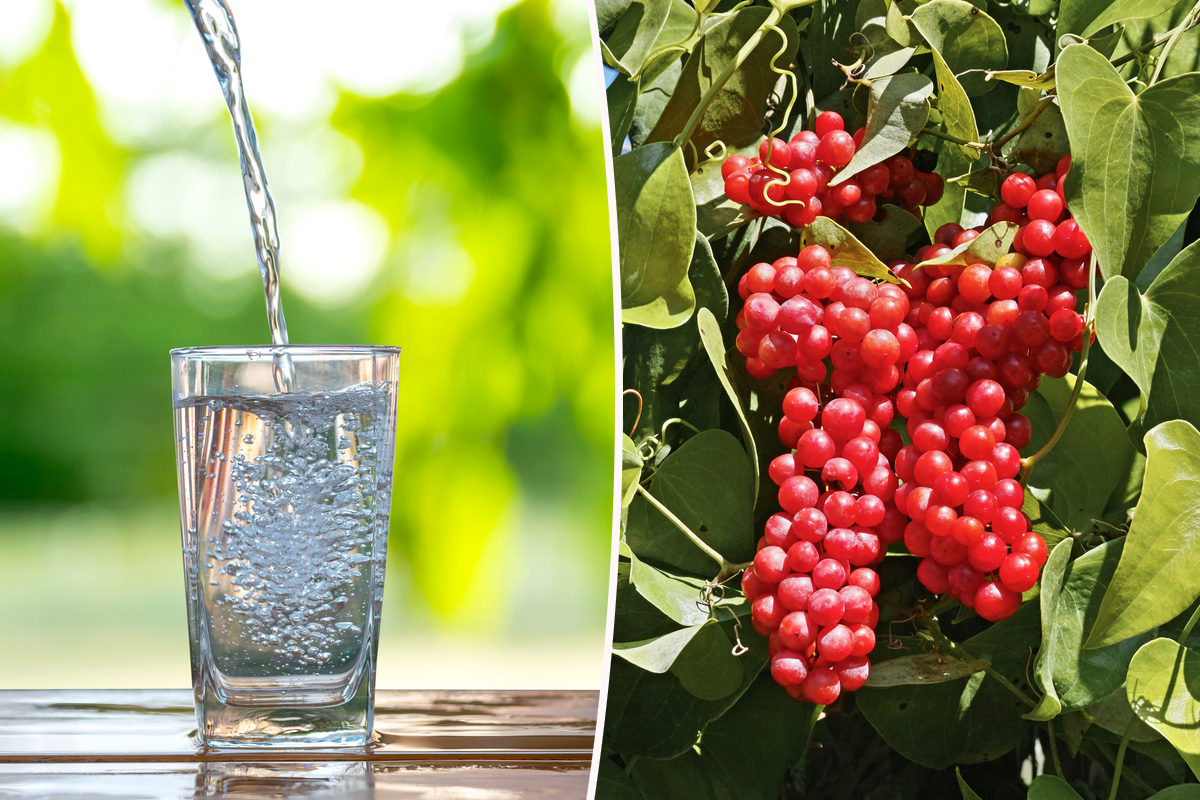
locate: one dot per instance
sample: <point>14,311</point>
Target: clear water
<point>285,504</point>
<point>215,22</point>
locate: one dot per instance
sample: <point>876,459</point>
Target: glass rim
<point>243,351</point>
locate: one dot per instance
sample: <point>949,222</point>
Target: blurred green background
<point>439,175</point>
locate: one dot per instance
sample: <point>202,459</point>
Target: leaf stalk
<point>727,73</point>
<point>727,569</point>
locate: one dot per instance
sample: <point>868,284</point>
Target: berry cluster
<point>954,352</point>
<point>986,335</point>
<point>812,586</point>
<point>791,179</point>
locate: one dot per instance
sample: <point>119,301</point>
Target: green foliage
<point>1154,337</point>
<point>1157,577</point>
<point>980,88</point>
<point>1162,684</point>
<point>655,218</point>
<point>1135,172</point>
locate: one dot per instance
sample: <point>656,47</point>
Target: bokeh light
<point>438,170</point>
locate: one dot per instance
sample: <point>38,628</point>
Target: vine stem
<point>1089,323</point>
<point>1129,773</point>
<point>1054,750</point>
<point>1188,21</point>
<point>951,138</point>
<point>1120,761</point>
<point>1187,629</point>
<point>727,569</point>
<point>959,652</point>
<point>719,83</point>
<point>1025,123</point>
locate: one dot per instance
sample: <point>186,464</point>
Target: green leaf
<point>1155,337</point>
<point>656,224</point>
<point>652,99</point>
<point>888,58</point>
<point>608,12</point>
<point>707,667</point>
<point>986,248</point>
<point>710,334</point>
<point>1051,787</point>
<point>735,113</point>
<point>654,716</point>
<point>1159,573</point>
<point>1024,77</point>
<point>1082,677</point>
<point>897,24</point>
<point>1163,683</point>
<point>613,784</point>
<point>829,36</point>
<point>1086,17</point>
<point>845,249</point>
<point>658,363</point>
<point>631,469</point>
<point>676,596</point>
<point>966,39</point>
<point>951,164</point>
<point>735,758</point>
<point>922,668</point>
<point>967,792</point>
<point>1115,715</point>
<point>1050,705</point>
<point>1187,791</point>
<point>896,113</point>
<point>967,720</point>
<point>708,484</point>
<point>1044,142</point>
<point>657,654</point>
<point>635,34</point>
<point>680,30</point>
<point>955,108</point>
<point>1078,475</point>
<point>716,214</point>
<point>1135,170</point>
<point>887,238</point>
<point>622,97</point>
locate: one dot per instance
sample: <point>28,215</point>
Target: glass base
<point>346,724</point>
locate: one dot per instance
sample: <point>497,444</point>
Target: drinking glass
<point>285,459</point>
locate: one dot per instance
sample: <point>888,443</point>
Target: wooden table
<point>429,744</point>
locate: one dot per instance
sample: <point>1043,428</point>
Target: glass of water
<point>285,458</point>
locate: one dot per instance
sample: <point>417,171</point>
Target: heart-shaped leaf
<point>656,225</point>
<point>966,38</point>
<point>1159,572</point>
<point>967,792</point>
<point>1135,169</point>
<point>716,214</point>
<point>709,485</point>
<point>896,113</point>
<point>1081,678</point>
<point>1163,687</point>
<point>1154,337</point>
<point>707,667</point>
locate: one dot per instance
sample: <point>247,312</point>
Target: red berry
<point>1017,190</point>
<point>836,148</point>
<point>994,601</point>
